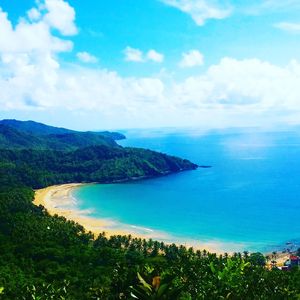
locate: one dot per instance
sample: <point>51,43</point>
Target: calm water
<point>250,196</point>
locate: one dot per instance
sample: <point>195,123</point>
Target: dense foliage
<point>11,138</point>
<point>35,128</point>
<point>24,135</point>
<point>48,257</point>
<point>44,257</point>
<point>40,168</point>
<point>36,160</point>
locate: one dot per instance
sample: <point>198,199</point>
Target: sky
<point>117,64</point>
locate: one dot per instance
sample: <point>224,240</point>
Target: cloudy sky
<point>153,63</point>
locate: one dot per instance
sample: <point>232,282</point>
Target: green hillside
<point>36,128</point>
<point>40,168</point>
<point>30,134</point>
<point>38,160</point>
<point>11,138</point>
<point>32,127</point>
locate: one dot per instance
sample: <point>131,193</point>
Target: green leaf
<point>162,289</point>
<point>143,282</point>
<point>212,267</point>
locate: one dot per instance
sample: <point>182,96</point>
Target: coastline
<point>58,200</point>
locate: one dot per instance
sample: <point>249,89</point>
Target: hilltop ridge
<point>30,156</point>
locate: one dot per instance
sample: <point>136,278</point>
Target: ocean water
<point>248,200</point>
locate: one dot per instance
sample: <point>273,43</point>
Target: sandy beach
<point>59,200</point>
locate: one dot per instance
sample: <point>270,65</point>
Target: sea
<point>248,199</point>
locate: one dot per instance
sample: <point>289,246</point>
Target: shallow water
<point>249,199</point>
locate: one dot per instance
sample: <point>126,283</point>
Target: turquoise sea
<point>248,200</point>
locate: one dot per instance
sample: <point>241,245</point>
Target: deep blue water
<point>250,196</point>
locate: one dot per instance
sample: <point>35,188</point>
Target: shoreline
<point>58,200</point>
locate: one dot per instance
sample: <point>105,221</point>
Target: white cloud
<point>60,16</point>
<point>233,92</point>
<point>155,56</point>
<point>132,54</point>
<point>230,93</point>
<point>201,10</point>
<point>29,36</point>
<point>288,26</point>
<point>31,77</point>
<point>28,64</point>
<point>136,55</point>
<point>275,4</point>
<point>270,6</point>
<point>34,14</point>
<point>191,58</point>
<point>247,83</point>
<point>87,57</point>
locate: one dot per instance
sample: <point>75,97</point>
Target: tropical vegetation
<point>49,257</point>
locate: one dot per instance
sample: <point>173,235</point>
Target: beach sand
<point>58,200</point>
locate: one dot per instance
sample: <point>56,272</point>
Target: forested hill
<point>11,138</point>
<point>29,157</point>
<point>36,128</point>
<point>40,168</point>
<point>16,134</point>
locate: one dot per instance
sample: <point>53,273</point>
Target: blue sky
<point>151,63</point>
